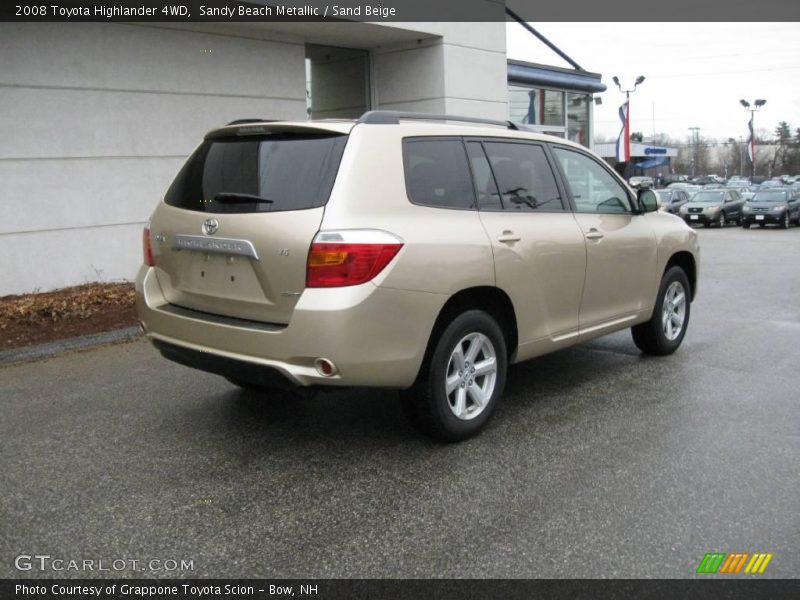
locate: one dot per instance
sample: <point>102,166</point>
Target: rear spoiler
<point>245,127</point>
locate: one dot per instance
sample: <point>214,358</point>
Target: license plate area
<point>759,217</point>
<point>694,217</point>
<point>219,276</point>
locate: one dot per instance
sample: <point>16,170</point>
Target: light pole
<point>695,143</point>
<point>752,110</point>
<point>741,156</point>
<point>627,125</point>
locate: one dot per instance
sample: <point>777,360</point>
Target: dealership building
<point>98,117</point>
<point>646,159</point>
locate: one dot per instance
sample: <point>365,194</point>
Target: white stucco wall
<point>96,119</point>
<point>462,71</point>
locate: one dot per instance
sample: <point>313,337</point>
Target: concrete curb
<point>40,351</point>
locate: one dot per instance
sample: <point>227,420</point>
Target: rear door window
<point>523,176</point>
<point>278,172</point>
<point>437,173</point>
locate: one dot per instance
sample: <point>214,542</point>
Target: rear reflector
<point>147,248</point>
<point>343,263</point>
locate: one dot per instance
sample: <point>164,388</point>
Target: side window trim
<point>614,176</point>
<point>551,162</point>
<point>477,141</point>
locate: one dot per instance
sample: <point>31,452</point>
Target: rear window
<point>265,174</point>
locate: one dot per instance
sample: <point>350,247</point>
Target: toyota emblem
<point>210,226</point>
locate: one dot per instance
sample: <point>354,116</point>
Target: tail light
<point>147,248</point>
<point>350,257</point>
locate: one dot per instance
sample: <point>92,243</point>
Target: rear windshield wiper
<point>234,198</point>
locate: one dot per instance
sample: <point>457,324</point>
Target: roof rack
<point>243,121</point>
<point>392,117</point>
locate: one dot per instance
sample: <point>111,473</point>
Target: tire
<point>746,225</point>
<point>458,415</point>
<point>653,337</point>
<point>785,223</point>
<point>721,221</point>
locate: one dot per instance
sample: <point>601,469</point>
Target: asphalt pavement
<point>599,463</point>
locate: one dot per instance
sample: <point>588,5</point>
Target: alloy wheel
<point>673,314</point>
<point>471,376</point>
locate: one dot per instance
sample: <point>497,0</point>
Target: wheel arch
<point>492,300</point>
<point>685,260</point>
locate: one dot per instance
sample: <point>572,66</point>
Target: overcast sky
<point>695,72</point>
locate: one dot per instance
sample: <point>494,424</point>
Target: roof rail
<point>392,117</point>
<point>242,121</point>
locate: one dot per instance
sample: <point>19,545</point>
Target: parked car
<point>747,192</point>
<point>674,178</point>
<point>772,183</point>
<point>405,251</point>
<point>713,207</point>
<point>707,179</point>
<point>689,187</point>
<point>773,206</point>
<point>671,200</point>
<point>642,181</point>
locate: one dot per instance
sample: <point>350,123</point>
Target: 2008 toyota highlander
<point>408,251</point>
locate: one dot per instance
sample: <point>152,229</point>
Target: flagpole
<point>627,126</point>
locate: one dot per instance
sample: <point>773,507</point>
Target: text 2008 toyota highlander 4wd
<point>405,251</point>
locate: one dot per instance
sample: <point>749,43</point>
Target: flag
<point>751,141</point>
<point>624,138</point>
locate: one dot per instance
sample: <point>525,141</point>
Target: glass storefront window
<point>578,118</point>
<point>536,106</point>
<point>518,103</point>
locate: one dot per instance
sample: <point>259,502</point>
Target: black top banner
<point>395,589</point>
<point>395,10</point>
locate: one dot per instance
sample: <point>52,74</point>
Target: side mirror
<point>647,200</point>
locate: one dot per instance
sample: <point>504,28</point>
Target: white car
<point>641,182</point>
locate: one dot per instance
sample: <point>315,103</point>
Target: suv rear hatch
<point>232,235</point>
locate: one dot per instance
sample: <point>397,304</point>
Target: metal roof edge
<point>545,75</point>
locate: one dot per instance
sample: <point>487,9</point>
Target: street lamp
<point>639,80</point>
<point>626,127</point>
<point>752,110</point>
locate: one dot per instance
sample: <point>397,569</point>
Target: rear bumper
<point>239,370</point>
<point>374,336</point>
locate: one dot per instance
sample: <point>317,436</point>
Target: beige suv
<point>419,252</point>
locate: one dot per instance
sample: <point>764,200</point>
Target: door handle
<point>593,234</point>
<point>508,236</point>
